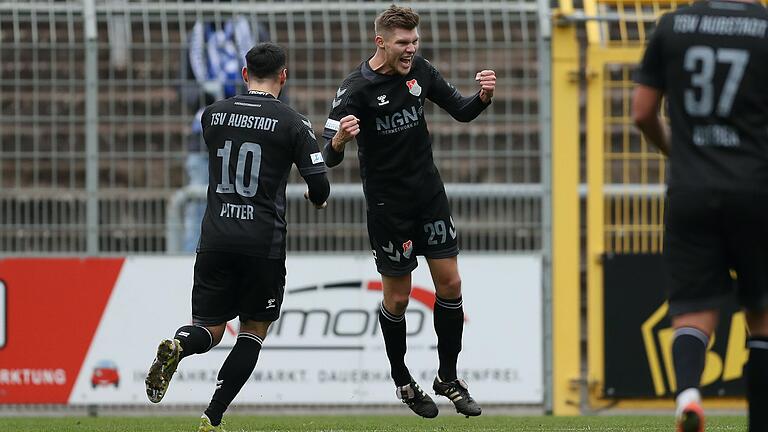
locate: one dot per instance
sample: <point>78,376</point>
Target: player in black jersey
<point>252,139</point>
<point>710,61</point>
<point>381,104</point>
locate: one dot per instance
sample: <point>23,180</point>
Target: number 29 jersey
<point>394,144</point>
<point>711,61</point>
<point>253,140</point>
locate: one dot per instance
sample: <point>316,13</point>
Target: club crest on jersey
<point>407,249</point>
<point>413,87</point>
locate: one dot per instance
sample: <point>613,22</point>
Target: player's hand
<point>318,207</point>
<point>487,80</point>
<point>349,127</point>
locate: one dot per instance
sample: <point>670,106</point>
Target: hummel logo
<point>270,303</point>
<point>389,249</point>
<point>382,100</point>
<point>309,130</point>
<point>339,93</point>
<point>452,229</point>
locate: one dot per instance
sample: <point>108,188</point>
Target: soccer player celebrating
<point>381,104</point>
<point>710,59</point>
<point>252,139</point>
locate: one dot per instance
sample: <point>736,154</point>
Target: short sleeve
<point>652,69</point>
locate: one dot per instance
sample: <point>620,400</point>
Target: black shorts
<point>707,234</point>
<point>227,285</point>
<point>398,236</point>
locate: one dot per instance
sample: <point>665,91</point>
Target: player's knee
<point>398,303</point>
<point>217,333</point>
<point>258,328</point>
<point>449,288</point>
<point>217,340</point>
<point>401,304</point>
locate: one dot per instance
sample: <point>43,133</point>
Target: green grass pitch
<point>445,423</point>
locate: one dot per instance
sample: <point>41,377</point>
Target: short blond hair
<point>396,17</point>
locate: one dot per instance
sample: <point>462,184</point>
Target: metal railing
<point>98,98</point>
<point>489,217</point>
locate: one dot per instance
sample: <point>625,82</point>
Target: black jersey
<point>252,142</point>
<point>394,146</point>
<point>711,61</point>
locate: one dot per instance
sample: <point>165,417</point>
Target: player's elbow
<point>644,120</point>
<point>642,114</point>
<point>464,118</point>
<point>640,119</point>
<point>645,107</point>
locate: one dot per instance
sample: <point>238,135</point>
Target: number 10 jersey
<point>253,140</point>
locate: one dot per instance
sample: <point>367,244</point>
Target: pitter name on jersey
<point>244,121</point>
<point>237,211</point>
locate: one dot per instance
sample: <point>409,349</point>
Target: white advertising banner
<point>327,347</point>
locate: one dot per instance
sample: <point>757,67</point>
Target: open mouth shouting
<point>405,62</point>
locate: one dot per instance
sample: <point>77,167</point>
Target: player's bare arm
<point>487,80</point>
<point>646,103</point>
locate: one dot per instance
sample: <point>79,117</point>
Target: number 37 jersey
<point>711,61</point>
<point>253,140</point>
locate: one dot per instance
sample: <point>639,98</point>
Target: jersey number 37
<point>701,61</point>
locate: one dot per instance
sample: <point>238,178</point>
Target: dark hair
<point>396,17</point>
<point>265,60</point>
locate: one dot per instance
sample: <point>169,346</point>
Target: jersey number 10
<point>700,61</point>
<point>226,186</point>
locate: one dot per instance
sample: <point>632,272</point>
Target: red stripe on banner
<point>52,310</point>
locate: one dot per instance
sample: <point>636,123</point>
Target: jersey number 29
<point>226,186</point>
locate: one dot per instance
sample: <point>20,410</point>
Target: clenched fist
<point>487,81</point>
<point>349,127</point>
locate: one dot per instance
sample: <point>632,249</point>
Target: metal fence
<point>97,100</point>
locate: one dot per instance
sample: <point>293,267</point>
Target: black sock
<point>449,326</point>
<point>194,340</point>
<point>393,330</point>
<point>757,383</point>
<point>689,348</point>
<point>233,374</point>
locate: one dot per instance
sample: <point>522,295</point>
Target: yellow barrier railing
<point>566,334</point>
